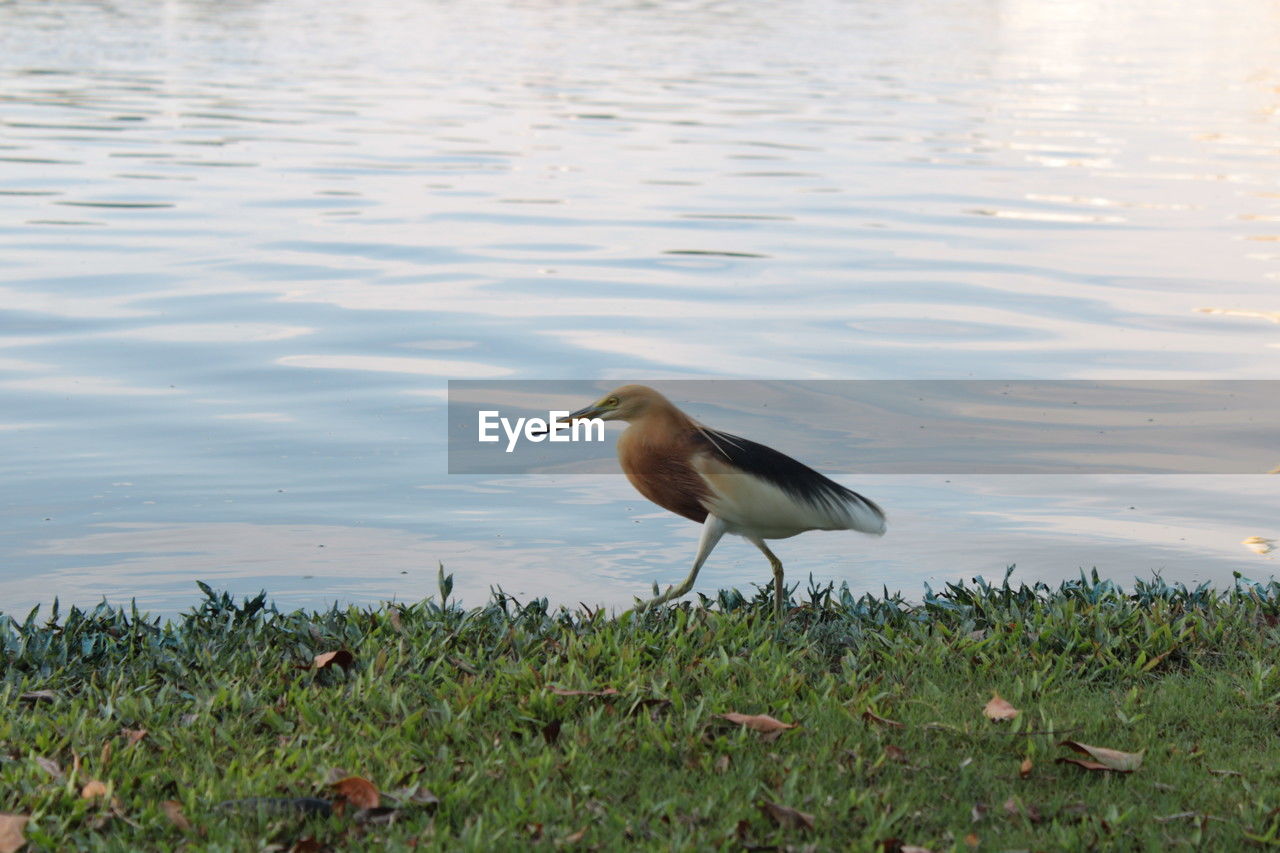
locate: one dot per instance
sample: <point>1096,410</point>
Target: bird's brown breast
<point>661,469</point>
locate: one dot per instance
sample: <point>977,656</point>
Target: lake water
<point>244,244</point>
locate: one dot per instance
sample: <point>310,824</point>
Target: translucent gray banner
<point>899,426</point>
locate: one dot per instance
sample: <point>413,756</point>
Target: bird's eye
<point>612,401</point>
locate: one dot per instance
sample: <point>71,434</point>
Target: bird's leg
<point>776,564</point>
<point>712,530</point>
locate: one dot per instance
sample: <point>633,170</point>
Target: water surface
<point>243,245</point>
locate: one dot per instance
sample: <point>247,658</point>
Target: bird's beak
<point>592,411</point>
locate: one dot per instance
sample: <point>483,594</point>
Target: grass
<point>453,715</point>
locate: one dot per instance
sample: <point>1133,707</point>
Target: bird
<point>724,482</point>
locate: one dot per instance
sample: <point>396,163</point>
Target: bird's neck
<point>657,428</point>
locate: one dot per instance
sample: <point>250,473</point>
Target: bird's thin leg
<point>776,564</point>
<point>712,530</point>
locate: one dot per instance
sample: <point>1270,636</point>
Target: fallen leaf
<point>722,764</point>
<point>608,691</point>
<point>551,731</point>
<point>306,844</point>
<point>999,709</point>
<point>575,837</point>
<point>534,830</point>
<point>872,717</point>
<point>49,766</point>
<point>418,795</point>
<point>1024,769</point>
<point>92,790</point>
<point>132,736</point>
<point>787,817</point>
<point>38,696</point>
<point>173,810</point>
<point>357,791</point>
<point>12,838</point>
<point>1012,807</point>
<point>894,753</point>
<point>1103,758</point>
<point>978,812</point>
<point>763,723</point>
<point>971,840</point>
<point>341,657</point>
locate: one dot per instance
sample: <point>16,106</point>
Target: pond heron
<point>725,483</point>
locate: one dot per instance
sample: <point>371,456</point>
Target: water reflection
<point>243,244</point>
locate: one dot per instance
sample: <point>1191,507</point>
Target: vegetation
<point>859,724</point>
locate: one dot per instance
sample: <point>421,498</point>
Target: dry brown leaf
<point>894,753</point>
<point>872,717</point>
<point>999,709</point>
<point>575,837</point>
<point>787,817</point>
<point>357,791</point>
<point>608,691</point>
<point>971,840</point>
<point>341,657</point>
<point>1024,769</point>
<point>1103,758</point>
<point>12,838</point>
<point>48,765</point>
<point>1012,807</point>
<point>173,810</point>
<point>132,736</point>
<point>762,723</point>
<point>92,790</point>
<point>38,696</point>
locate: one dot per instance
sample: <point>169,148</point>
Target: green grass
<point>454,712</point>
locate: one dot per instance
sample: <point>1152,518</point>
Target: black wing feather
<point>793,477</point>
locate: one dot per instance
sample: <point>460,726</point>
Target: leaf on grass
<point>894,753</point>
<point>12,838</point>
<point>1103,758</point>
<point>762,723</point>
<point>787,817</point>
<point>722,765</point>
<point>34,696</point>
<point>341,657</point>
<point>48,765</point>
<point>971,840</point>
<point>872,717</point>
<point>574,838</point>
<point>999,709</point>
<point>357,791</point>
<point>92,790</point>
<point>1024,769</point>
<point>417,795</point>
<point>173,810</point>
<point>132,736</point>
<point>608,691</point>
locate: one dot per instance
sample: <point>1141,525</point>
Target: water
<point>244,244</point>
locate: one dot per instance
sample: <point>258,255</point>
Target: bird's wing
<point>764,487</point>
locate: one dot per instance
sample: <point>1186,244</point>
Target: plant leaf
<point>1024,769</point>
<point>12,838</point>
<point>999,709</point>
<point>92,790</point>
<point>341,657</point>
<point>173,810</point>
<point>358,791</point>
<point>1103,758</point>
<point>872,717</point>
<point>762,723</point>
<point>787,817</point>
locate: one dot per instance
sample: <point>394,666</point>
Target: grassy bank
<point>506,725</point>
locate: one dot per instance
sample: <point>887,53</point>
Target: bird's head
<point>627,403</point>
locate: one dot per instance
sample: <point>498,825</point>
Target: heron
<point>726,483</point>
